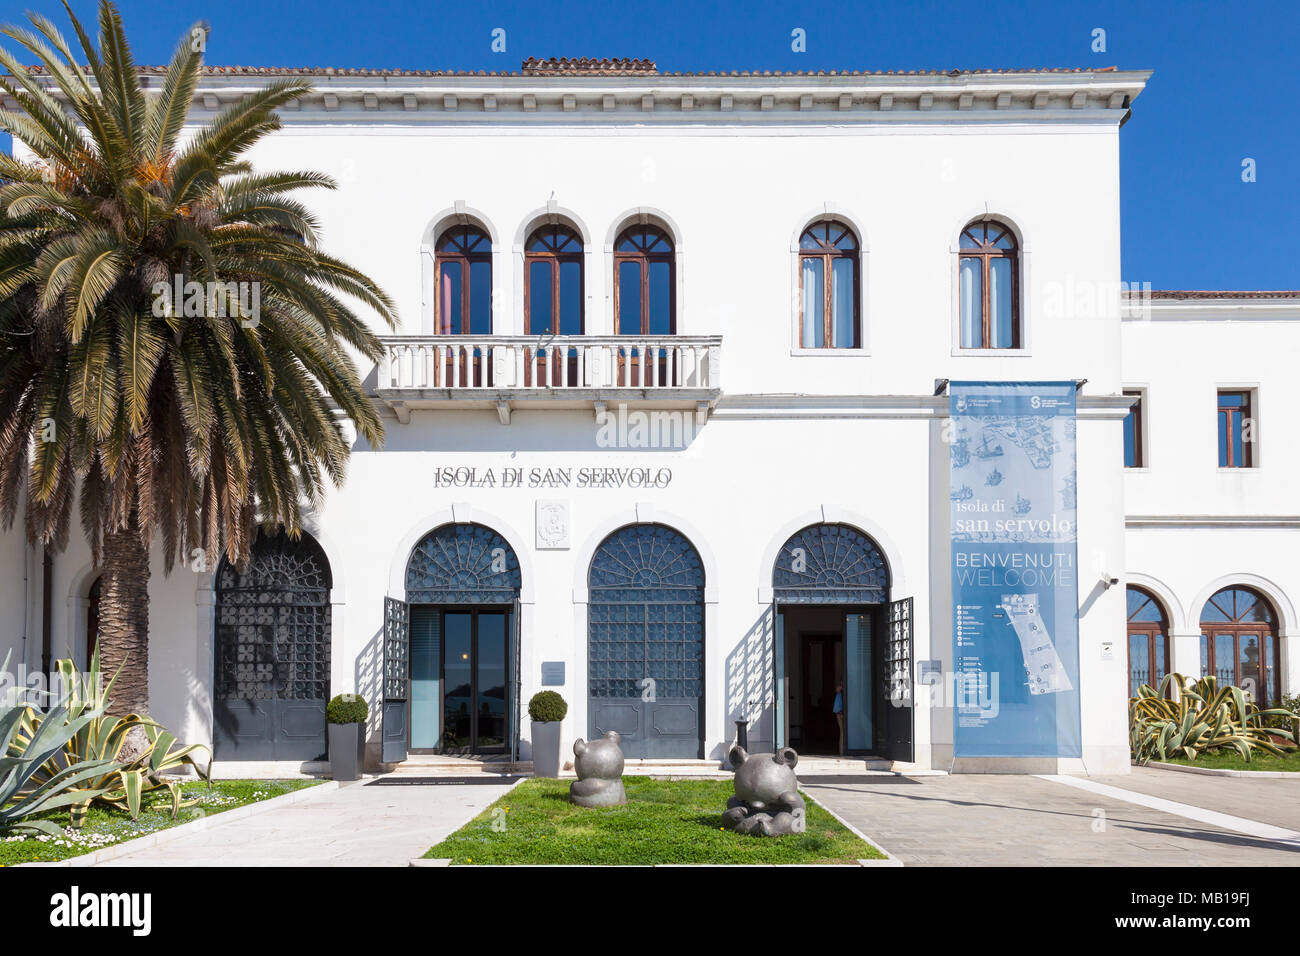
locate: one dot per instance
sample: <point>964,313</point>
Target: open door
<point>896,734</point>
<point>512,696</point>
<point>778,677</point>
<point>396,679</point>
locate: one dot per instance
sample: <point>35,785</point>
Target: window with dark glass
<point>1134,423</point>
<point>1239,643</point>
<point>553,302</point>
<point>644,296</point>
<point>989,275</point>
<point>828,287</point>
<point>553,299</point>
<point>1236,430</point>
<point>1148,641</point>
<point>463,277</point>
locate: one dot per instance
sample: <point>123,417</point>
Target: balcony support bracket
<point>503,412</point>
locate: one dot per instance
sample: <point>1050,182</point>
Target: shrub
<point>547,707</point>
<point>1205,717</point>
<point>99,741</point>
<point>347,709</point>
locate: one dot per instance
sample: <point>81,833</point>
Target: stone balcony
<point>506,372</point>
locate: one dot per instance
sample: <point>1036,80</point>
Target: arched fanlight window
<point>989,270</point>
<point>828,286</point>
<point>1148,641</point>
<point>463,278</point>
<point>1239,643</point>
<point>644,295</point>
<point>553,297</point>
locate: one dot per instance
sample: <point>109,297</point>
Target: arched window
<point>1148,641</point>
<point>553,296</point>
<point>644,295</point>
<point>462,564</point>
<point>463,276</point>
<point>830,564</point>
<point>828,287</point>
<point>1239,643</point>
<point>272,652</point>
<point>989,267</point>
<point>92,617</point>
<point>645,642</point>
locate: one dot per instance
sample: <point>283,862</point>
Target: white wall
<point>1195,527</point>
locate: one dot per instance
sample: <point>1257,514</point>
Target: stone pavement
<point>1005,820</point>
<point>360,824</point>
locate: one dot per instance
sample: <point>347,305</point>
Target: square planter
<point>345,751</point>
<point>546,748</point>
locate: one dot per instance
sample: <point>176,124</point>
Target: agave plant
<point>1204,717</point>
<point>26,789</point>
<point>122,783</point>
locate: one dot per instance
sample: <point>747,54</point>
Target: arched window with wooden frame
<point>462,271</point>
<point>830,313</point>
<point>1148,640</point>
<point>989,276</point>
<point>1239,643</point>
<point>553,299</point>
<point>462,263</point>
<point>645,298</point>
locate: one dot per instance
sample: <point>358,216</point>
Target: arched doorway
<point>645,642</point>
<point>462,660</point>
<point>1148,640</point>
<point>842,651</point>
<point>272,652</point>
<point>1239,643</point>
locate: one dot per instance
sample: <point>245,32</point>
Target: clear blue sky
<point>1226,84</point>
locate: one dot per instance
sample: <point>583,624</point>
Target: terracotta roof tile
<point>589,66</point>
<point>1218,294</point>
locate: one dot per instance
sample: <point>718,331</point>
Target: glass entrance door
<point>474,678</point>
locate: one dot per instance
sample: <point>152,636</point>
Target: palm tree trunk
<point>124,621</point>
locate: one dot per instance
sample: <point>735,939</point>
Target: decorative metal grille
<point>397,649</point>
<point>646,615</point>
<point>273,623</point>
<point>462,564</point>
<point>898,654</point>
<point>830,564</point>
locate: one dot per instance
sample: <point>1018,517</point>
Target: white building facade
<point>663,335</point>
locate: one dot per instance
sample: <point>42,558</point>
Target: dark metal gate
<point>397,679</point>
<point>645,642</point>
<point>897,683</point>
<point>271,652</point>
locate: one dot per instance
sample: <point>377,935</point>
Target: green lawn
<point>664,821</point>
<point>1231,760</point>
<point>106,826</point>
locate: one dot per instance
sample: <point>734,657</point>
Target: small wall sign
<point>552,673</point>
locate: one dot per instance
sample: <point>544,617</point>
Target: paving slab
<point>1270,800</point>
<point>1006,820</point>
<point>361,824</point>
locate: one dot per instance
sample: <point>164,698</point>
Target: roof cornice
<point>417,98</point>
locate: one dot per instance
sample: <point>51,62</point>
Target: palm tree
<point>191,421</point>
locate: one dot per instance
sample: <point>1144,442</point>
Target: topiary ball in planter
<point>547,709</point>
<point>346,715</point>
<point>347,709</point>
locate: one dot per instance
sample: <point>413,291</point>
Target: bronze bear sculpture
<point>767,800</point>
<point>600,773</point>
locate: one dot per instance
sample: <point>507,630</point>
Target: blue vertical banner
<point>1015,592</point>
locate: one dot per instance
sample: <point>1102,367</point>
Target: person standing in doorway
<point>838,709</point>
